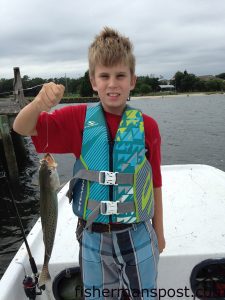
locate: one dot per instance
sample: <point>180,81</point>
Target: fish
<point>49,186</point>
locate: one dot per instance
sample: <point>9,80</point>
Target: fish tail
<point>44,277</point>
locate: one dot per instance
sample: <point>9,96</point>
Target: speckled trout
<point>49,185</point>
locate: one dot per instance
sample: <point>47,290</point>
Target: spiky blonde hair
<point>110,48</point>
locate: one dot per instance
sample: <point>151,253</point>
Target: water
<point>192,130</point>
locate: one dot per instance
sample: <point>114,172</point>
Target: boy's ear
<point>133,82</point>
<point>93,83</point>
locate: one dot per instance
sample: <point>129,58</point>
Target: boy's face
<point>113,85</point>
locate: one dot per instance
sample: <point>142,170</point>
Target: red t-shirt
<point>61,132</point>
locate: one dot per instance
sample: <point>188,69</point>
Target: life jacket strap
<point>102,177</point>
<point>106,177</point>
<point>107,208</point>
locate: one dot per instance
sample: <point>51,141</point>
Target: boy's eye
<point>121,75</point>
<point>104,76</point>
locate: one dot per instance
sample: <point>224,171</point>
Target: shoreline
<point>200,94</point>
<point>70,100</point>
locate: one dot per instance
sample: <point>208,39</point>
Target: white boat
<point>194,209</point>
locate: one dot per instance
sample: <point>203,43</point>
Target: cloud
<point>49,38</point>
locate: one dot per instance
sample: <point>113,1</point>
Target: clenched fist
<point>49,96</point>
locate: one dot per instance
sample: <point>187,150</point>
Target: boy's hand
<point>161,243</point>
<point>49,96</point>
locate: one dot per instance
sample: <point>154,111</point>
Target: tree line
<point>81,87</point>
<point>185,82</point>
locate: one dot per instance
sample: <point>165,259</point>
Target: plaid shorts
<point>120,260</point>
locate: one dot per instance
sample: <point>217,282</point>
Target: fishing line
<point>46,145</point>
<point>47,125</point>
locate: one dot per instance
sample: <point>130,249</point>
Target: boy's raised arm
<point>26,120</point>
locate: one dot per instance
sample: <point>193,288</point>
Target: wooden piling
<point>8,149</point>
<point>18,88</point>
<point>13,144</point>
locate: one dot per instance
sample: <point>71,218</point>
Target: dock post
<point>20,99</point>
<point>9,149</point>
<point>18,88</point>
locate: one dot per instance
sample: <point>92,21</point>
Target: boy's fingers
<point>54,92</point>
<point>58,91</point>
<point>49,96</point>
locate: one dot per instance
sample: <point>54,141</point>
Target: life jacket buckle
<point>108,178</point>
<point>109,207</point>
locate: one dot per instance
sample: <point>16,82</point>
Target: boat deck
<point>194,201</point>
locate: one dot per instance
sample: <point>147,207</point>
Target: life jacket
<point>112,179</point>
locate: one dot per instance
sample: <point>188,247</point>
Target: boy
<point>115,183</point>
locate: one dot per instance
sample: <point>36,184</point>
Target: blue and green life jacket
<point>112,178</point>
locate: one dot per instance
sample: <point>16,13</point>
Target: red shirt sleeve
<point>153,145</point>
<point>61,131</point>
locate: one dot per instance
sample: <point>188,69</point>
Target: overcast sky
<point>48,38</point>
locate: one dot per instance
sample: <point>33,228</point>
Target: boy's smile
<point>113,85</point>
